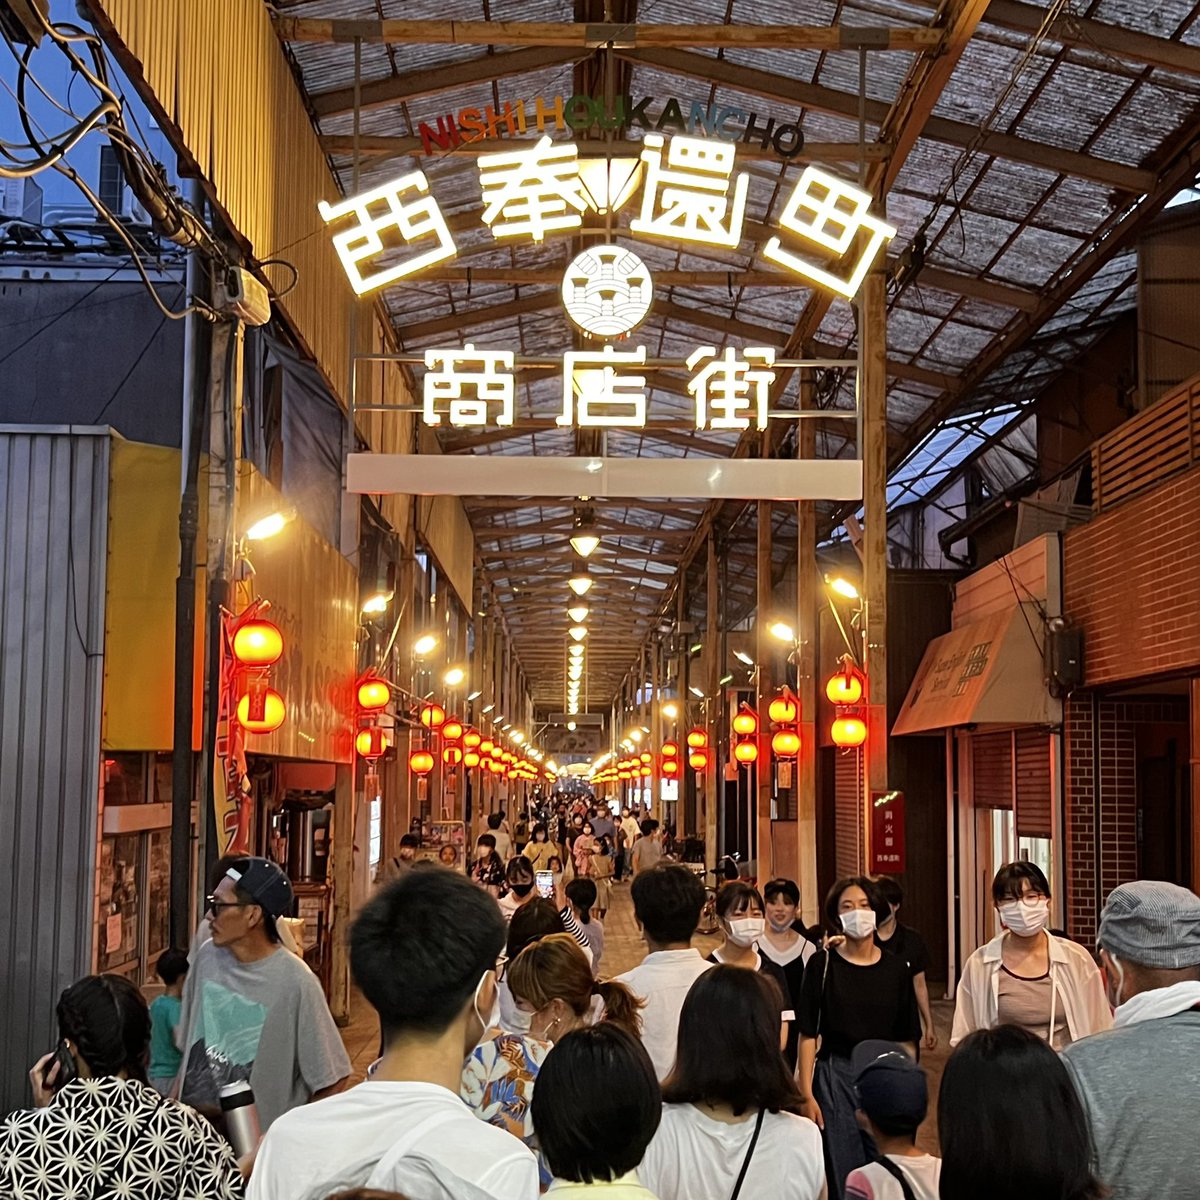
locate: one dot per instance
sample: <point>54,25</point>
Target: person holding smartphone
<point>138,1143</point>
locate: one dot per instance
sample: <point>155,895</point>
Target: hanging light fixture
<point>578,632</point>
<point>846,687</point>
<point>584,538</point>
<point>433,716</point>
<point>420,762</point>
<point>272,714</point>
<point>257,644</point>
<point>578,611</point>
<point>785,743</point>
<point>580,582</point>
<point>575,651</point>
<point>849,731</point>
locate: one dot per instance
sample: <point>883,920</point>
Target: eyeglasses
<point>213,905</point>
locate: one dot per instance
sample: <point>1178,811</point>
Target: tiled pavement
<point>623,949</point>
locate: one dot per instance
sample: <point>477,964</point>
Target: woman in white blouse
<point>1026,976</point>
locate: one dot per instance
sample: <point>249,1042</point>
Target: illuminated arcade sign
<point>601,389</point>
<point>832,238</point>
<point>579,113</point>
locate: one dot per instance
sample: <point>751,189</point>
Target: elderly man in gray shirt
<point>1140,1081</point>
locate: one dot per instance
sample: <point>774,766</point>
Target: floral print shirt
<point>497,1085</point>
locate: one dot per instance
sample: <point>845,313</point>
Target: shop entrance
<point>1164,807</point>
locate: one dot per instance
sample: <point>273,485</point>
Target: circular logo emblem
<point>607,291</point>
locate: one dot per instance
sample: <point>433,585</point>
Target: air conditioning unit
<point>21,200</point>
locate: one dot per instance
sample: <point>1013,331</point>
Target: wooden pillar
<point>764,656</point>
<point>655,739</point>
<point>343,865</point>
<point>873,393</point>
<point>808,631</point>
<point>712,685</point>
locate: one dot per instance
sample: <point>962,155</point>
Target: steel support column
<point>764,676</point>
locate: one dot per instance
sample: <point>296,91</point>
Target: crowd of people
<point>785,1063</point>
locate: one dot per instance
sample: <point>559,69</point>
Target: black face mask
<point>522,889</point>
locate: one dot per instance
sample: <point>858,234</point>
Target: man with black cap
<point>1140,1081</point>
<point>250,1009</point>
<point>893,1097</point>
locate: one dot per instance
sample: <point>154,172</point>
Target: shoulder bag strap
<point>758,1122</point>
<point>898,1175</point>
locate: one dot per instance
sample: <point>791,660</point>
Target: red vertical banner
<point>887,833</point>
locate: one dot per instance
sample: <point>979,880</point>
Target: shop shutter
<point>848,793</point>
<point>992,769</point>
<point>1033,783</point>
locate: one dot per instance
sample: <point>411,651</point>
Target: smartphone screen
<point>545,884</point>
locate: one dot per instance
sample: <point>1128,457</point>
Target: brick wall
<point>1101,798</point>
<point>1132,579</point>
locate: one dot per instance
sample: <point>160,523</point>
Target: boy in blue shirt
<point>165,1056</point>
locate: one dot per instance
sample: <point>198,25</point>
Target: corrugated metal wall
<point>848,789</point>
<point>53,537</point>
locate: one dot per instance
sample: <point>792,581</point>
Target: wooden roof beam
<point>478,316</point>
<point>586,35</point>
<point>496,533</point>
<point>413,85</point>
<point>784,90</point>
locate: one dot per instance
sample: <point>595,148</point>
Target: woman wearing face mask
<point>852,992</point>
<point>583,850</point>
<point>1026,976</point>
<point>539,849</point>
<point>740,912</point>
<point>519,879</point>
<point>488,868</point>
<point>788,945</point>
<point>552,983</point>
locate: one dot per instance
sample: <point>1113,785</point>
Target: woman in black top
<point>740,910</point>
<point>852,992</point>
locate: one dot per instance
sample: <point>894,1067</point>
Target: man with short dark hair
<point>667,900</point>
<point>1140,1081</point>
<point>647,850</point>
<point>251,1010</point>
<point>425,952</point>
<point>907,944</point>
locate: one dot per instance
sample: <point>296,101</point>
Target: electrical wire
<point>282,262</point>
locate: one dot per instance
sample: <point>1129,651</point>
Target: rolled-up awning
<point>988,672</point>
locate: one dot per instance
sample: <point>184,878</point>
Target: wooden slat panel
<point>1159,443</point>
<point>991,770</point>
<point>1033,816</point>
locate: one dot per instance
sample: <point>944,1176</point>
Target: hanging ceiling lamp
<point>578,611</point>
<point>609,182</point>
<point>580,582</point>
<point>584,539</point>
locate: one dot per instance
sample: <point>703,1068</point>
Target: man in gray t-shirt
<point>250,1009</point>
<point>1139,1082</point>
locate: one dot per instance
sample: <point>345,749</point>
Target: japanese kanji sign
<point>691,193</point>
<point>887,833</point>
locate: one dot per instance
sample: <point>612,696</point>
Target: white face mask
<point>779,928</point>
<point>858,922</point>
<point>1025,919</point>
<point>745,931</point>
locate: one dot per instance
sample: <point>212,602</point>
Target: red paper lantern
<point>371,742</point>
<point>784,709</point>
<point>433,715</point>
<point>471,759</point>
<point>273,713</point>
<point>452,756</point>
<point>785,743</point>
<point>846,687</point>
<point>452,729</point>
<point>746,752</point>
<point>257,644</point>
<point>670,750</point>
<point>472,739</point>
<point>670,767</point>
<point>745,721</point>
<point>697,739</point>
<point>698,760</point>
<point>373,694</point>
<point>849,731</point>
<point>420,762</point>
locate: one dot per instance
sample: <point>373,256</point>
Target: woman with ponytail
<point>551,980</point>
<point>98,1129</point>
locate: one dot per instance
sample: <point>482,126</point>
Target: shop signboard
<point>887,833</point>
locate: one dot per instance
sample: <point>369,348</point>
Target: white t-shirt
<point>694,1157</point>
<point>662,981</point>
<point>324,1141</point>
<point>873,1182</point>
